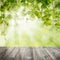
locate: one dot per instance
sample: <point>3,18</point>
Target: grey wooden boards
<point>29,53</point>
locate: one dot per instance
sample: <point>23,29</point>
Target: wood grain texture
<point>29,53</point>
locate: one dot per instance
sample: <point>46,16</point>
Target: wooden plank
<point>41,54</point>
<point>29,53</point>
<point>54,52</point>
<point>26,53</point>
<point>17,56</point>
<point>2,52</point>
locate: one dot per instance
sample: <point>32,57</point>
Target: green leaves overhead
<point>47,10</point>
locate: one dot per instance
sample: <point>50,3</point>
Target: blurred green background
<point>29,23</point>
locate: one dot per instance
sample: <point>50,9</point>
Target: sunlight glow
<point>23,27</point>
<point>26,31</point>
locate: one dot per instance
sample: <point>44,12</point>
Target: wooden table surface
<point>29,53</point>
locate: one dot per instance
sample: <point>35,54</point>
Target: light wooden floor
<point>29,53</point>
